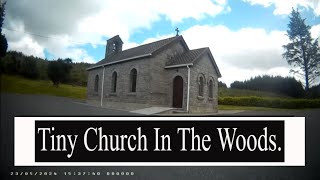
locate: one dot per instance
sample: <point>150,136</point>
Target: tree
<point>302,52</point>
<point>3,40</point>
<point>59,71</point>
<point>29,68</point>
<point>222,84</point>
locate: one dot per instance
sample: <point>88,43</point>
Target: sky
<point>244,36</point>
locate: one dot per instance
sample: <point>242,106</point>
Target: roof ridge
<point>199,49</point>
<point>204,50</point>
<point>189,56</point>
<point>147,44</point>
<point>192,50</point>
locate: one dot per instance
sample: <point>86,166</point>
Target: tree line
<point>58,71</point>
<point>282,85</point>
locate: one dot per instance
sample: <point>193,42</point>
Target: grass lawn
<point>20,85</point>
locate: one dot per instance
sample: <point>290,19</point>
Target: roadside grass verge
<point>20,85</point>
<point>248,108</point>
<point>228,92</point>
<point>270,102</point>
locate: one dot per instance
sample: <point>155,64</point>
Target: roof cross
<point>177,30</point>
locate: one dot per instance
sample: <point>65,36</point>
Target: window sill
<point>200,97</point>
<point>132,94</point>
<point>113,94</point>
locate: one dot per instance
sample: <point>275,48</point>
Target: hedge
<point>270,102</point>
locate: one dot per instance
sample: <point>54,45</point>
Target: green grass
<point>270,102</point>
<point>238,99</point>
<point>223,92</point>
<point>252,108</point>
<point>20,85</point>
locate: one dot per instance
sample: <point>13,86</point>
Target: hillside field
<point>17,84</point>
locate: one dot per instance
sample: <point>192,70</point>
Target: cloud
<point>29,46</point>
<point>243,53</point>
<point>284,7</point>
<point>68,24</point>
<point>124,16</point>
<point>315,31</point>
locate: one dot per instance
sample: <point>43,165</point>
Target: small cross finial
<point>177,30</point>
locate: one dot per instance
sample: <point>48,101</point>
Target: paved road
<point>39,105</point>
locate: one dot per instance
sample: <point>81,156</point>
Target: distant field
<point>20,85</point>
<point>223,92</point>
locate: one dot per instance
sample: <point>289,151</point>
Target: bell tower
<point>114,45</point>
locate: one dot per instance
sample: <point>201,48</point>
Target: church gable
<point>192,57</point>
<point>186,58</point>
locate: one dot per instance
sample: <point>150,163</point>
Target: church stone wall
<point>122,93</point>
<point>91,93</point>
<point>205,68</point>
<point>161,78</point>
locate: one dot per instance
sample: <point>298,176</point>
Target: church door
<point>177,92</point>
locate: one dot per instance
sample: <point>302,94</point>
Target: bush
<point>29,68</point>
<point>59,71</point>
<point>270,102</point>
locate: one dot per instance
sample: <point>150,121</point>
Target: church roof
<point>186,58</point>
<point>190,57</point>
<point>146,50</point>
<point>136,52</point>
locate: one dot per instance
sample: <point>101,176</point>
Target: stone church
<point>164,73</point>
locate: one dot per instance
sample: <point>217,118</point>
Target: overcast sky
<point>244,36</point>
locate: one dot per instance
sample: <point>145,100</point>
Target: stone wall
<point>161,78</point>
<point>91,93</point>
<point>122,94</point>
<point>205,68</point>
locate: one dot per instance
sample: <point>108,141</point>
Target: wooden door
<point>177,92</point>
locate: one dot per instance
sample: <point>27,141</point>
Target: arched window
<point>114,82</point>
<point>133,80</point>
<point>210,88</point>
<point>201,84</point>
<point>96,83</point>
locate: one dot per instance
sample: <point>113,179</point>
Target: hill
<point>20,85</point>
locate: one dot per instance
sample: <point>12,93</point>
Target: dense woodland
<point>288,86</point>
<point>16,63</point>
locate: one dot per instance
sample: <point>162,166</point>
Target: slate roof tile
<point>186,58</point>
<point>136,51</point>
